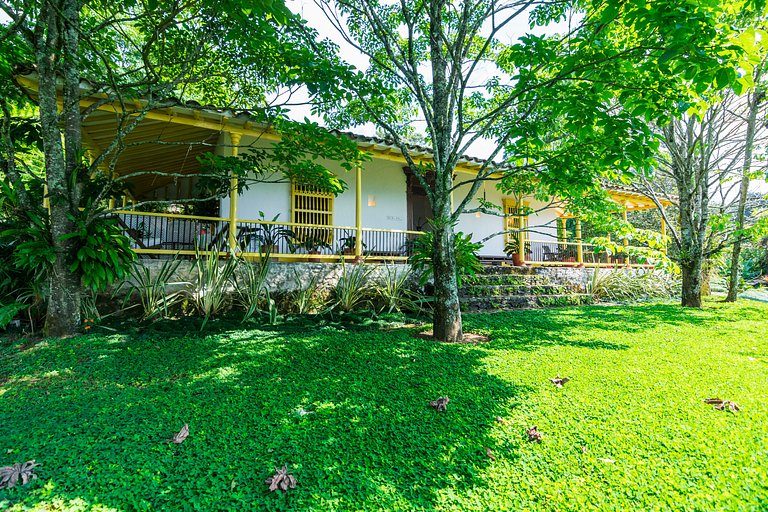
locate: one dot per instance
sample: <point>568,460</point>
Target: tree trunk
<point>447,313</point>
<point>63,315</point>
<point>753,102</point>
<point>691,295</point>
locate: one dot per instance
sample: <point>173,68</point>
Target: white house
<point>383,209</point>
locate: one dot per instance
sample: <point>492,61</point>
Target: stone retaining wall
<point>284,277</point>
<point>579,278</point>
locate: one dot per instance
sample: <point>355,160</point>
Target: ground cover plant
<point>344,408</point>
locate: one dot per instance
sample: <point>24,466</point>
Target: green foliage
<point>250,289</point>
<point>303,299</point>
<point>152,292</point>
<point>394,291</point>
<point>353,289</point>
<point>9,311</point>
<point>754,262</point>
<point>103,255</point>
<point>213,284</point>
<point>467,262</point>
<point>297,156</point>
<point>345,406</point>
<point>619,285</point>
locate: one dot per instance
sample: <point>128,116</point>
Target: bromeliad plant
<point>210,291</point>
<point>394,292</point>
<point>152,292</point>
<point>251,290</point>
<point>353,288</point>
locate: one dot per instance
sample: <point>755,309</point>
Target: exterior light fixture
<point>371,200</point>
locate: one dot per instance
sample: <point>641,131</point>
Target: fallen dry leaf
<point>534,434</point>
<point>558,382</point>
<point>721,405</point>
<point>490,454</point>
<point>607,461</point>
<point>281,480</point>
<point>440,404</point>
<point>181,436</point>
<point>10,475</point>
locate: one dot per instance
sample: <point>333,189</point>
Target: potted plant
<point>512,249</point>
<point>269,235</point>
<point>311,244</point>
<point>348,245</point>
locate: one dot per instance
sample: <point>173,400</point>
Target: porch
<point>155,235</point>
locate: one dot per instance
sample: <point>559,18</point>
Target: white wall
<point>384,182</point>
<point>382,179</point>
<point>542,224</point>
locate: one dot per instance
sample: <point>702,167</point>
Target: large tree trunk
<point>63,315</point>
<point>753,102</point>
<point>447,311</point>
<point>691,294</point>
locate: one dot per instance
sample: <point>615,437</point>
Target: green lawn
<point>346,408</point>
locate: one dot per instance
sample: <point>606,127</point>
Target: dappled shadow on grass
<point>585,326</point>
<point>345,406</point>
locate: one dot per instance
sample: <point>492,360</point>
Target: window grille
<point>313,208</point>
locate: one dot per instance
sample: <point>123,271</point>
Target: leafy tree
<point>704,168</point>
<point>561,108</point>
<point>233,53</point>
<point>754,108</point>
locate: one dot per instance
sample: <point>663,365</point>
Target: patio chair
<point>549,255</point>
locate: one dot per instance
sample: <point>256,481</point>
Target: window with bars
<point>314,208</point>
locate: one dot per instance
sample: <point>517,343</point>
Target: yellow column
<point>234,139</point>
<point>358,212</point>
<point>579,247</point>
<point>626,241</point>
<point>664,234</point>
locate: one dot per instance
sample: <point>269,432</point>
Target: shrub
<point>467,263</point>
<point>619,285</point>
<point>152,292</point>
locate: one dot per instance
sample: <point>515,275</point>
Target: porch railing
<point>161,234</point>
<point>565,253</point>
<point>157,234</point>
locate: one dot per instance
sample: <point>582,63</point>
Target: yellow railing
<point>156,234</point>
<point>574,253</point>
<point>164,234</point>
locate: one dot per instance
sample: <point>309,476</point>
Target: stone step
<point>470,304</point>
<point>499,290</point>
<point>508,270</point>
<point>506,279</point>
